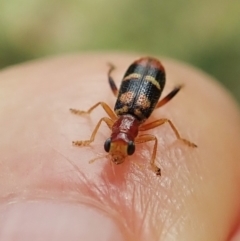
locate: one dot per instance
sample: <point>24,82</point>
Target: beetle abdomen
<point>141,88</point>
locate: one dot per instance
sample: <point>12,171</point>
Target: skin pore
<point>196,198</point>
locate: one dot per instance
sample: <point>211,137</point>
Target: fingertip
<point>198,186</point>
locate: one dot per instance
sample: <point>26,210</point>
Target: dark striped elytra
<point>141,88</point>
<point>137,97</point>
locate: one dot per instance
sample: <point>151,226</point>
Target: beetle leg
<point>159,122</point>
<point>146,138</point>
<point>105,106</point>
<point>168,97</point>
<point>109,123</point>
<point>111,81</point>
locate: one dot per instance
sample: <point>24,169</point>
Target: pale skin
<point>196,198</point>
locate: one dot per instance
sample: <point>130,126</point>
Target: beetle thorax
<point>125,127</point>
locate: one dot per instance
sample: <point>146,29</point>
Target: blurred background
<point>204,33</point>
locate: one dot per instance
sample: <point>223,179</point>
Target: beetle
<point>137,97</point>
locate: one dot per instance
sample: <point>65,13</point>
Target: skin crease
<point>196,198</point>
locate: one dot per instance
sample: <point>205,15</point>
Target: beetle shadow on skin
<point>116,174</point>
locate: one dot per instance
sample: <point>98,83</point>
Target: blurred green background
<point>205,33</point>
